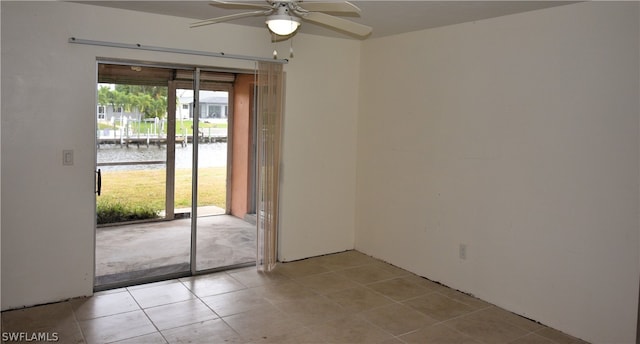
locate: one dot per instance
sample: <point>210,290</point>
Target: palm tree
<point>120,100</point>
<point>159,107</point>
<point>104,96</point>
<point>143,102</point>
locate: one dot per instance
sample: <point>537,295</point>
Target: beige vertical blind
<point>269,89</point>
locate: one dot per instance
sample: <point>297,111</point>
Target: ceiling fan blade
<point>338,23</point>
<point>344,7</point>
<point>228,18</point>
<point>230,4</point>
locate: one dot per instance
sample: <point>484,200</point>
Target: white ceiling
<point>386,17</point>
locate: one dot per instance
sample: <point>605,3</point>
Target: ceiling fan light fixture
<point>283,25</point>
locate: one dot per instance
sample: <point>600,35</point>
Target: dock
<point>122,139</point>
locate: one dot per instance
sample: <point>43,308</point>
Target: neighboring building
<point>109,113</point>
<point>211,107</point>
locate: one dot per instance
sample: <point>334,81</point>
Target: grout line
<point>462,333</point>
<point>221,318</point>
<point>75,319</point>
<point>196,298</point>
<point>146,315</point>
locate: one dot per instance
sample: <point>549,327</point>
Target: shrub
<point>114,212</point>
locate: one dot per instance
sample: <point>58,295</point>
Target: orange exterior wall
<point>240,145</point>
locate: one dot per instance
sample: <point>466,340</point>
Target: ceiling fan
<point>285,16</point>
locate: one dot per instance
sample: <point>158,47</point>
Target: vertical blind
<point>269,90</point>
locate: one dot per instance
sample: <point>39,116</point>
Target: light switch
<point>67,157</point>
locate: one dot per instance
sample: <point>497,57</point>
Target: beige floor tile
<point>438,306</point>
<point>286,291</point>
<point>153,338</point>
<point>532,338</point>
<point>468,300</point>
<point>68,335</point>
<point>262,323</point>
<point>116,327</point>
<point>104,304</point>
<point>438,333</point>
<point>62,333</point>
<point>180,314</point>
<point>161,294</point>
<point>426,283</point>
<point>558,337</point>
<point>351,329</point>
<point>297,336</point>
<point>358,299</point>
<point>33,318</point>
<point>400,289</point>
<point>212,331</point>
<point>369,273</point>
<point>397,318</point>
<point>50,321</point>
<point>251,277</point>
<point>327,282</point>
<point>235,302</point>
<point>311,310</point>
<point>301,268</point>
<point>212,284</point>
<point>485,327</point>
<point>344,260</point>
<point>394,270</point>
<point>501,314</point>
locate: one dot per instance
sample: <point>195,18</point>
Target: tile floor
<point>341,298</point>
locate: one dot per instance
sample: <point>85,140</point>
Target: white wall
<point>48,104</point>
<point>517,136</point>
<point>318,203</point>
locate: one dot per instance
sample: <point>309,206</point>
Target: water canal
<point>210,155</point>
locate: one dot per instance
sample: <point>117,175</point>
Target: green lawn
<point>143,192</point>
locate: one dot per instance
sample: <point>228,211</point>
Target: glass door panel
<point>133,243</point>
<point>212,152</point>
<point>222,240</point>
<point>212,245</point>
<point>211,137</point>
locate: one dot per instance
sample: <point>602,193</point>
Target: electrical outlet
<point>462,251</point>
<point>67,157</point>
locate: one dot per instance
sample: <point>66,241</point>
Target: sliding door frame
<point>172,85</point>
<point>194,171</point>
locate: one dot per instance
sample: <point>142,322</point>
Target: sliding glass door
<point>163,155</point>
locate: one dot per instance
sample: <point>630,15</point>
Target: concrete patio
<point>147,250</point>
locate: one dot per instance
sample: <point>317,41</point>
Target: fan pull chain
<point>291,48</point>
<point>273,41</point>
